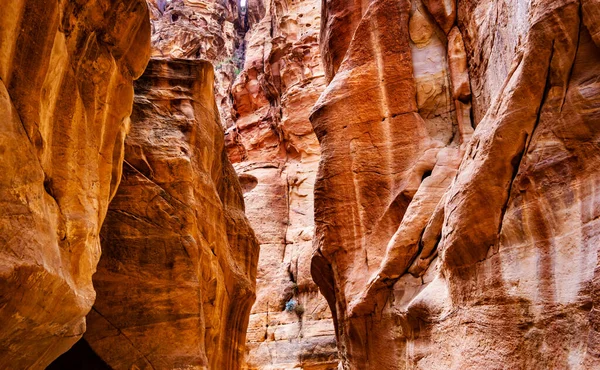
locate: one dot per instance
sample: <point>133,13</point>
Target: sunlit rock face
<point>212,30</point>
<point>276,153</point>
<point>177,275</point>
<point>66,72</point>
<point>456,204</point>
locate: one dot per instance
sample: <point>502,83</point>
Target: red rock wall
<point>276,153</point>
<point>66,71</point>
<point>177,276</point>
<point>490,264</point>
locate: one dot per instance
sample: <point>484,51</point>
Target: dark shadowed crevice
<point>80,357</point>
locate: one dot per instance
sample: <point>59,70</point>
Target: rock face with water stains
<point>451,236</point>
<point>276,153</point>
<point>66,71</point>
<point>176,280</point>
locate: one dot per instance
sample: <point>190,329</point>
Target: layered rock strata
<point>176,280</point>
<point>203,29</point>
<point>438,247</point>
<point>276,153</point>
<point>66,71</point>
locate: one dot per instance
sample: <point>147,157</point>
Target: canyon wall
<point>276,153</point>
<point>66,71</point>
<point>176,280</point>
<point>212,30</point>
<point>177,276</point>
<point>457,202</point>
<point>268,76</point>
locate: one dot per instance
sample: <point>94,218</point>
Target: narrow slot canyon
<point>300,184</point>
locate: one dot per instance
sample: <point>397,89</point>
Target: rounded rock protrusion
<point>419,28</point>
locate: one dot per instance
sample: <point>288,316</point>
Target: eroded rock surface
<point>66,71</point>
<point>203,29</point>
<point>176,280</point>
<point>276,153</point>
<point>451,239</point>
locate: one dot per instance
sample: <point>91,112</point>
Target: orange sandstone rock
<point>66,71</point>
<point>202,29</point>
<point>443,11</point>
<point>177,276</point>
<point>490,264</point>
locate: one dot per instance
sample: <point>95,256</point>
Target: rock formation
<point>176,280</point>
<point>438,247</point>
<point>66,71</point>
<point>202,29</point>
<point>444,195</point>
<point>276,153</point>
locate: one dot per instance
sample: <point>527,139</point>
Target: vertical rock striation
<point>66,71</point>
<point>276,153</point>
<point>438,247</point>
<point>176,280</point>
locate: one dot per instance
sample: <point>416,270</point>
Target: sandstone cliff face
<point>202,29</point>
<point>176,280</point>
<point>276,153</point>
<point>438,247</point>
<point>66,71</point>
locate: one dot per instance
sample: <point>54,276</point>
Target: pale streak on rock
<point>515,280</point>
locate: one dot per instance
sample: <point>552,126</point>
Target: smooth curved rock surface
<point>177,276</point>
<point>66,72</point>
<point>439,246</point>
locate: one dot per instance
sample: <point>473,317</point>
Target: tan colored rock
<point>493,264</point>
<point>457,64</point>
<point>177,278</point>
<point>202,29</point>
<point>420,28</point>
<point>177,275</point>
<point>276,153</point>
<point>66,71</point>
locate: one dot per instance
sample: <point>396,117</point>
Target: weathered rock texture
<point>202,29</point>
<point>66,71</point>
<point>176,280</point>
<point>276,153</point>
<point>442,248</point>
